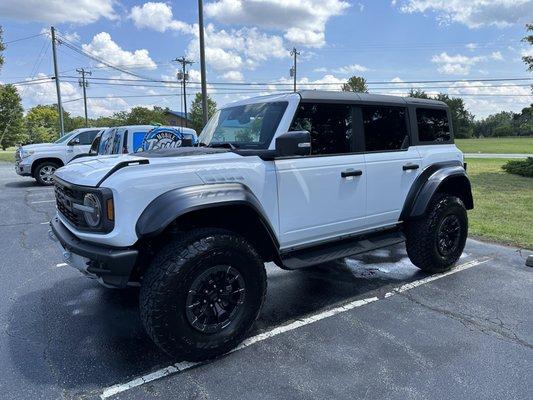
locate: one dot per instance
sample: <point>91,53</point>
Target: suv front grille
<point>65,198</point>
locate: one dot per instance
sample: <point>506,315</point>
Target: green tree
<point>196,111</point>
<point>143,116</point>
<point>418,93</point>
<point>11,117</point>
<point>528,59</point>
<point>355,84</point>
<point>42,123</point>
<point>2,48</point>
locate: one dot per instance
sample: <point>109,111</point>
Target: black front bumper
<point>112,264</point>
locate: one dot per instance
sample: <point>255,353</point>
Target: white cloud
<point>496,55</point>
<point>455,65</point>
<point>303,21</point>
<point>102,46</point>
<point>233,76</point>
<point>474,13</point>
<point>45,93</point>
<point>350,69</point>
<point>157,16</point>
<point>483,99</point>
<point>237,48</point>
<point>346,69</point>
<point>80,12</point>
<point>471,46</point>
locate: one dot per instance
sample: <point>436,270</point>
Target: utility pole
<point>295,54</point>
<point>83,83</point>
<point>58,88</point>
<point>202,60</point>
<point>183,76</point>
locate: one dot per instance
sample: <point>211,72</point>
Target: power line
<point>26,38</point>
<point>321,83</point>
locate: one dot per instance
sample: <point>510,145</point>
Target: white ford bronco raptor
<point>296,179</point>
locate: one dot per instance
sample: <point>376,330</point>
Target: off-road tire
<point>422,234</point>
<point>167,282</point>
<point>41,168</point>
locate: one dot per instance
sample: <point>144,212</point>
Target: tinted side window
<point>117,141</point>
<point>385,128</point>
<point>330,126</point>
<point>95,144</point>
<point>433,125</point>
<point>87,137</point>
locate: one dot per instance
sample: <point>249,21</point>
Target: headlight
<point>26,153</point>
<point>92,210</point>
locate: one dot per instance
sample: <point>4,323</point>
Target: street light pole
<point>202,60</point>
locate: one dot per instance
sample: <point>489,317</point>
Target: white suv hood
<point>41,146</point>
<point>90,171</point>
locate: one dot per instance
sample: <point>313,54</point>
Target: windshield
<point>249,126</point>
<point>67,136</point>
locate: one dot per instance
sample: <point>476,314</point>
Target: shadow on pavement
<point>91,337</point>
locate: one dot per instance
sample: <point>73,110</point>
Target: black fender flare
<point>430,180</point>
<point>164,209</point>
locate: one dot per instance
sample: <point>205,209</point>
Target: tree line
<point>40,124</point>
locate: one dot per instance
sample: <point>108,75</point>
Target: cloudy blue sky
<point>249,40</point>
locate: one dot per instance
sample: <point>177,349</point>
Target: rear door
<point>392,163</point>
<point>323,195</point>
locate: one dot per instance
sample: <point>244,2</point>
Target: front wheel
<point>44,173</point>
<point>202,293</point>
<point>436,241</point>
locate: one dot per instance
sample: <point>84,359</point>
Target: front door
<point>81,143</point>
<point>322,195</point>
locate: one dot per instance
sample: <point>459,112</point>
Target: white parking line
<point>42,201</point>
<point>183,366</point>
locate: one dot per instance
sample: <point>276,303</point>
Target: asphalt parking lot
<point>370,327</point>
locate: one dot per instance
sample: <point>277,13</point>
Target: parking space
<point>368,327</point>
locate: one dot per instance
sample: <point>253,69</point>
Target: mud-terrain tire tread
<point>172,262</point>
<point>420,243</point>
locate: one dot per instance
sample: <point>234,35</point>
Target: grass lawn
<point>520,145</point>
<point>8,155</point>
<point>503,203</point>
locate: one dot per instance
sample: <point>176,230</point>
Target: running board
<point>333,251</point>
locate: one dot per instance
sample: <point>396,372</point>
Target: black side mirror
<point>295,143</point>
<point>74,141</point>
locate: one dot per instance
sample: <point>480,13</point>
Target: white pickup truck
<point>40,161</point>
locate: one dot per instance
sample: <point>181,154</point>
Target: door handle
<point>410,166</point>
<point>351,172</point>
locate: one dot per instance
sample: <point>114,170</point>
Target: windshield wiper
<point>224,144</point>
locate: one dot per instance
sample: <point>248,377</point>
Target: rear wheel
<point>436,241</point>
<point>44,173</point>
<point>202,294</point>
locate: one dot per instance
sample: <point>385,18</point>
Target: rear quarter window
<point>433,125</point>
